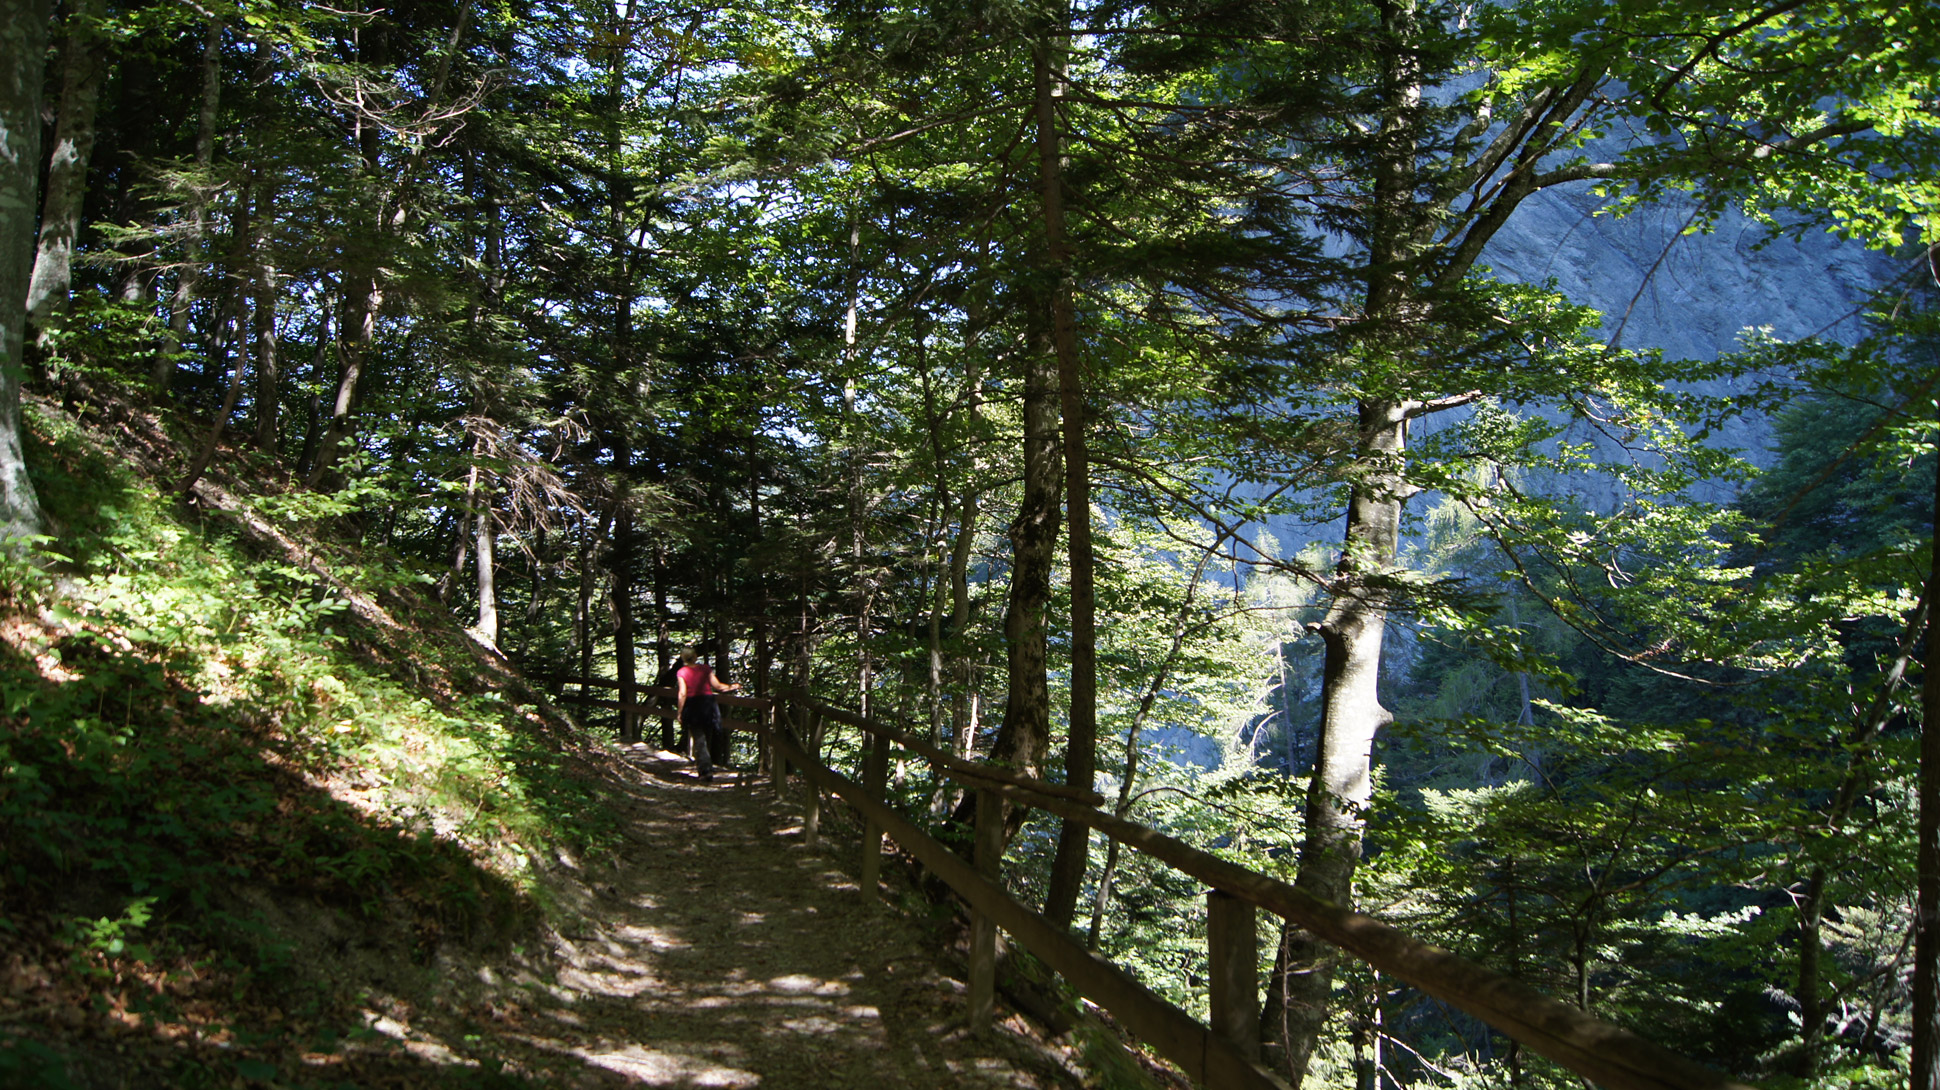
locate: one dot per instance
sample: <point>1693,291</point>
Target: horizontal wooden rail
<point>666,709</point>
<point>1597,1050</point>
<point>1601,1052</point>
<point>1204,1057</point>
<point>944,759</point>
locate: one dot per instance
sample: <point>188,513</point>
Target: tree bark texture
<point>1299,993</point>
<point>1926,927</point>
<point>1351,713</point>
<point>23,39</point>
<point>1081,748</point>
<point>487,552</point>
<point>1024,738</point>
<point>83,63</point>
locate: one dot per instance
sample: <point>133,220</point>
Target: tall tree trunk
<point>487,626</point>
<point>663,638</point>
<point>1301,985</point>
<point>83,63</point>
<point>1926,927</point>
<point>1081,748</point>
<point>1024,738</point>
<point>618,196</point>
<point>228,341</point>
<point>854,500</point>
<point>589,535</point>
<point>188,282</point>
<point>1811,909</point>
<point>355,335</point>
<point>962,726</point>
<point>933,583</point>
<point>269,377</point>
<point>1351,713</point>
<point>23,40</point>
<point>621,572</point>
<point>963,697</point>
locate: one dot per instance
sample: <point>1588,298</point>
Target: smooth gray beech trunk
<point>269,384</point>
<point>1300,988</point>
<point>487,552</point>
<point>83,62</point>
<point>23,41</point>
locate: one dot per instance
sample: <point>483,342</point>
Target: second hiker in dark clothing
<point>694,689</point>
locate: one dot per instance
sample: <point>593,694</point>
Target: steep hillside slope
<point>247,782</point>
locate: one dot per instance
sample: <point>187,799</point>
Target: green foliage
<point>731,305</point>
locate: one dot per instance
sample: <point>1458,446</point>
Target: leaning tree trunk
<point>227,340</point>
<point>82,65</point>
<point>355,335</point>
<point>23,38</point>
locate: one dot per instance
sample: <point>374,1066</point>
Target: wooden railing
<point>1225,1053</point>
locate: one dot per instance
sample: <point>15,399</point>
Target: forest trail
<point>728,955</point>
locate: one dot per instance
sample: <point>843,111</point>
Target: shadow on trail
<point>727,955</point>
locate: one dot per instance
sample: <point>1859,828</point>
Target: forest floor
<point>721,952</point>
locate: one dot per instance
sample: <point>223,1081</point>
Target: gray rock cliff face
<point>1691,295</point>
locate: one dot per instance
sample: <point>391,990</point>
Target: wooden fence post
<point>781,761</point>
<point>1233,950</point>
<point>983,929</point>
<point>812,809</point>
<point>770,717</point>
<point>875,776</point>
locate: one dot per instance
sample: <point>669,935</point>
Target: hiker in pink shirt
<point>698,711</point>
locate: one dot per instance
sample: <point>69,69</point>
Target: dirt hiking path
<point>728,955</point>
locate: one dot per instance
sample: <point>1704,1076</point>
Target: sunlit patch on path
<point>722,953</point>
